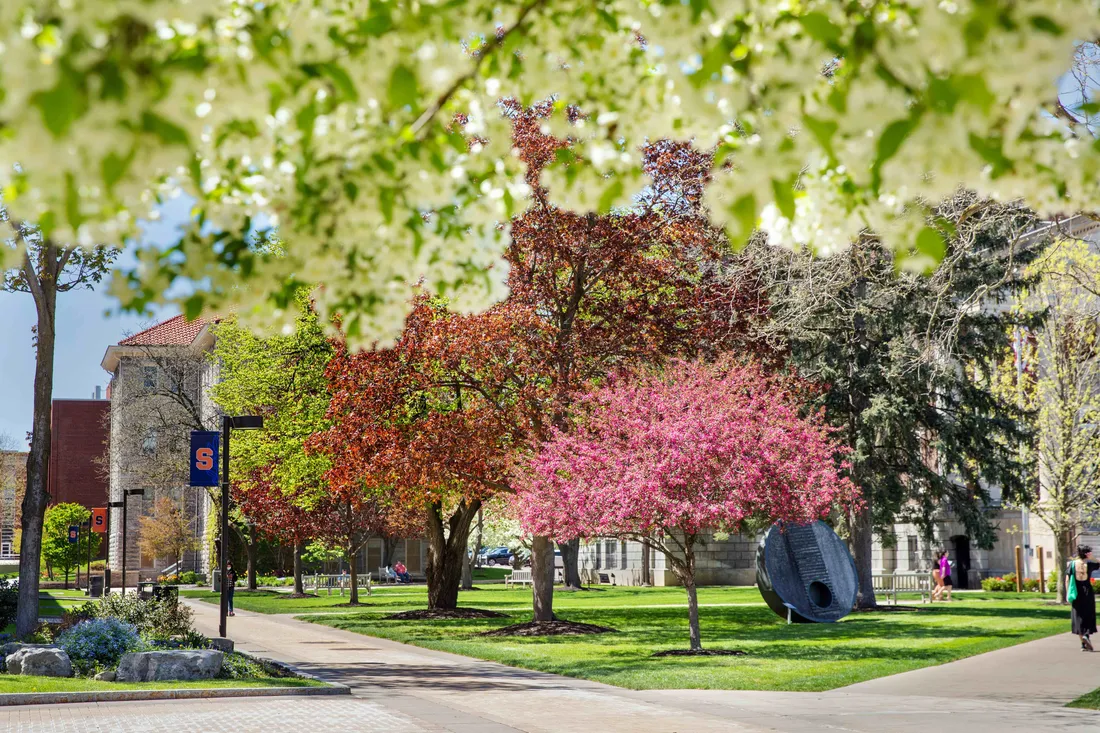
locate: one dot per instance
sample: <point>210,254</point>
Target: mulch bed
<point>548,628</point>
<point>440,614</point>
<point>700,653</point>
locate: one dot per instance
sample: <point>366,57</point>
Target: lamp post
<point>241,422</point>
<point>125,529</point>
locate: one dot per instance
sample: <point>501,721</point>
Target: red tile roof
<point>176,331</point>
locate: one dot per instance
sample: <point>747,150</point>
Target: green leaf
<point>888,145</point>
<point>403,88</point>
<point>991,150</point>
<point>60,106</point>
<point>973,90</point>
<point>610,195</point>
<point>168,132</point>
<point>784,197</point>
<point>192,307</point>
<point>113,168</point>
<point>341,80</point>
<point>930,243</point>
<point>1046,24</point>
<point>72,201</point>
<point>820,28</point>
<point>823,131</point>
<point>744,217</point>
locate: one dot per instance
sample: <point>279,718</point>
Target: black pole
<point>125,501</point>
<point>224,559</point>
<point>88,574</point>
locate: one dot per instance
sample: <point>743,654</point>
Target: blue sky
<point>87,323</point>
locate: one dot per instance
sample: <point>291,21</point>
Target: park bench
<point>341,582</point>
<point>890,584</point>
<point>518,577</point>
<point>384,577</point>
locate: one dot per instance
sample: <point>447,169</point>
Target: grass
<point>810,657</point>
<point>1090,701</point>
<point>21,683</point>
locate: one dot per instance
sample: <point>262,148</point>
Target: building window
<point>609,548</point>
<point>622,552</point>
<point>149,443</point>
<point>149,377</point>
<point>914,554</point>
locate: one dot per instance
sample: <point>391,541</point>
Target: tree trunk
<point>299,590</point>
<point>542,578</point>
<point>862,538</point>
<point>389,546</point>
<point>570,560</point>
<point>353,573</point>
<point>447,552</point>
<point>467,571</point>
<point>1062,555</point>
<point>693,616</point>
<point>66,578</point>
<point>250,550</point>
<point>38,460</point>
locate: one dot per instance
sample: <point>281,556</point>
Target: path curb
<point>51,698</point>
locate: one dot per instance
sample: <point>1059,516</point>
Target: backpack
<point>1071,579</point>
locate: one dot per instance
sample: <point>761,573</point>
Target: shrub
<point>189,577</point>
<point>1007,583</point>
<point>154,619</point>
<point>99,643</point>
<point>9,599</point>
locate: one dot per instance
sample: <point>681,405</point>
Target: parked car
<point>496,556</point>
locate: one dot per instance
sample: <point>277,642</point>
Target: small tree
<point>57,551</point>
<point>667,456</point>
<point>1054,373</point>
<point>167,531</point>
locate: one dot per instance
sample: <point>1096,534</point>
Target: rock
<point>182,664</point>
<point>221,644</point>
<point>13,646</point>
<point>41,661</point>
<point>105,677</point>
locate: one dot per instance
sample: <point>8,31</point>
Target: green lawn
<point>1090,701</point>
<point>780,657</point>
<point>19,683</point>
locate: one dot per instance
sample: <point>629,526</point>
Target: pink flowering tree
<point>665,457</point>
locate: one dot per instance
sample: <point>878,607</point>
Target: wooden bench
<point>518,577</point>
<point>890,584</point>
<point>384,577</point>
<point>341,582</point>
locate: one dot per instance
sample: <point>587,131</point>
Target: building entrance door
<point>961,579</point>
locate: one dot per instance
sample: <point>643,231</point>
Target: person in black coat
<point>1083,613</point>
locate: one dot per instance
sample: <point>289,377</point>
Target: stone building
<point>158,396</point>
<point>730,560</point>
<point>13,484</point>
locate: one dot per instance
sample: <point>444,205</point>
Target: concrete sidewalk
<point>435,691</point>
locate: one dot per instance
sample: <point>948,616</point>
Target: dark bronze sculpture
<point>805,573</point>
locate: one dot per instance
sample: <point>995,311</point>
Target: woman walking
<point>1081,596</point>
<point>941,574</point>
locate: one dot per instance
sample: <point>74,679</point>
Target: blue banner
<point>204,457</point>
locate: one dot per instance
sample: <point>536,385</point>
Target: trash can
<point>145,590</point>
<point>95,586</point>
<point>217,581</point>
<point>166,593</point>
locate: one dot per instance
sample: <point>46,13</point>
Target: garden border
<point>187,693</point>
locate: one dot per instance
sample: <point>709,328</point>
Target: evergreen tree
<point>904,362</point>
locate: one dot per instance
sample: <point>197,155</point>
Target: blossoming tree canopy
<point>666,457</point>
<point>332,120</point>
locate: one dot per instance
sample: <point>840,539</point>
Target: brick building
<point>77,447</point>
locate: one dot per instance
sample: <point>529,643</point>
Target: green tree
<point>36,264</point>
<point>905,363</point>
<point>281,377</point>
<point>57,551</point>
<point>1053,372</point>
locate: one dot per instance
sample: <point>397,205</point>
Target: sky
<point>87,323</point>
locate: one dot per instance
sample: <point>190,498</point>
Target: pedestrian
<point>945,575</point>
<point>230,584</point>
<point>1080,594</point>
<point>402,572</point>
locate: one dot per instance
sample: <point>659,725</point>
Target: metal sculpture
<point>805,573</point>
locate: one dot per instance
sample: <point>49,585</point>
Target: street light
<point>241,422</point>
<point>125,529</point>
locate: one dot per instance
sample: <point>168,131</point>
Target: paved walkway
<point>405,689</point>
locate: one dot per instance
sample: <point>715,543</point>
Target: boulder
<point>105,677</point>
<point>41,661</point>
<point>221,644</point>
<point>176,664</point>
<point>13,646</point>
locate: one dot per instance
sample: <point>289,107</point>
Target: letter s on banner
<point>204,457</point>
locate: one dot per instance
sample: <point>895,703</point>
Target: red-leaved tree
<point>666,456</point>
